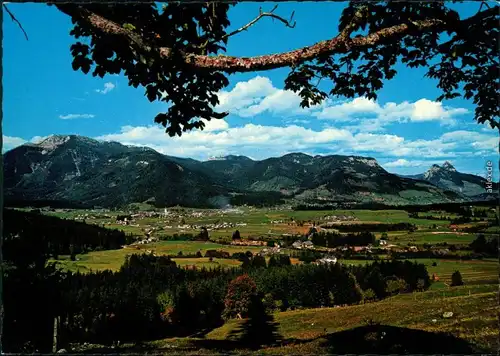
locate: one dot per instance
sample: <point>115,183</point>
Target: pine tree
<point>456,279</point>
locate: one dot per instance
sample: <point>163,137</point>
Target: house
<point>302,244</point>
<point>328,260</point>
<point>308,244</point>
<point>383,242</point>
<point>358,248</point>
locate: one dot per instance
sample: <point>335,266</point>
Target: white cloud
<point>107,88</point>
<point>419,111</point>
<point>298,121</point>
<point>222,139</point>
<point>258,96</point>
<point>219,138</point>
<point>409,163</point>
<point>38,139</point>
<point>473,139</point>
<point>76,116</point>
<point>10,142</point>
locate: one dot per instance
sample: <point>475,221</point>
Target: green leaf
<point>129,26</point>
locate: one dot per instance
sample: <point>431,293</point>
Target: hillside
<point>78,169</point>
<point>448,178</point>
<point>83,170</point>
<point>406,323</point>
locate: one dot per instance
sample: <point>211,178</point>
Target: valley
<point>332,248</point>
<point>175,232</point>
<point>79,171</point>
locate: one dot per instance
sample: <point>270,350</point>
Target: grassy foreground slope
<point>404,323</point>
<point>475,319</point>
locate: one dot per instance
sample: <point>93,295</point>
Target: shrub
<point>420,284</point>
<point>259,262</point>
<point>395,286</point>
<point>166,302</point>
<point>269,302</point>
<point>456,279</point>
<point>369,295</point>
<point>279,260</point>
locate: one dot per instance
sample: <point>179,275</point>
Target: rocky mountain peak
<point>448,166</point>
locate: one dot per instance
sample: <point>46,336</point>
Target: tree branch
<point>288,23</point>
<point>15,20</point>
<point>339,44</point>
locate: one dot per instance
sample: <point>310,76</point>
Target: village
<point>283,235</point>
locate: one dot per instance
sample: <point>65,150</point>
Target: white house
<point>328,260</point>
<point>302,244</point>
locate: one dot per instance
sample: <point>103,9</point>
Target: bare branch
<point>288,23</point>
<point>480,7</point>
<point>15,20</point>
<point>339,44</point>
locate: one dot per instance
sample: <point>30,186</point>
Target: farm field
<point>327,330</point>
<point>269,223</point>
<point>114,259</point>
<point>265,224</point>
<point>434,237</point>
<point>312,331</point>
<point>474,272</point>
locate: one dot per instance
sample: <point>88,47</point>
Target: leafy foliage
<point>240,295</point>
<point>194,28</point>
<point>131,39</point>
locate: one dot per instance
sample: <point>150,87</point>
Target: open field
<point>473,271</point>
<point>266,224</point>
<point>114,259</point>
<point>270,223</point>
<point>430,237</point>
<point>311,331</point>
<point>320,331</point>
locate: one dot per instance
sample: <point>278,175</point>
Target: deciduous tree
<point>175,53</point>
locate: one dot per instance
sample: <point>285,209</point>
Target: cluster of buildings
<point>270,250</point>
<point>338,218</point>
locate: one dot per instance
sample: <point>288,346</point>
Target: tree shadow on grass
<point>257,331</point>
<point>385,339</point>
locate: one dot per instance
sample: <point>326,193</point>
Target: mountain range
<point>78,169</point>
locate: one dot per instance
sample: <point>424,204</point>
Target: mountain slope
<point>78,169</point>
<point>75,168</point>
<point>448,178</point>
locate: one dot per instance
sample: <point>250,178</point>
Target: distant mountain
<point>323,179</point>
<point>79,169</point>
<point>448,178</point>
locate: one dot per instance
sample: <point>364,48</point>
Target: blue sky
<point>405,129</point>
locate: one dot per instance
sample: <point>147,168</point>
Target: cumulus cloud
<point>473,139</point>
<point>10,142</point>
<point>419,111</point>
<point>76,116</point>
<point>38,139</point>
<point>259,96</point>
<point>107,88</point>
<point>263,141</point>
